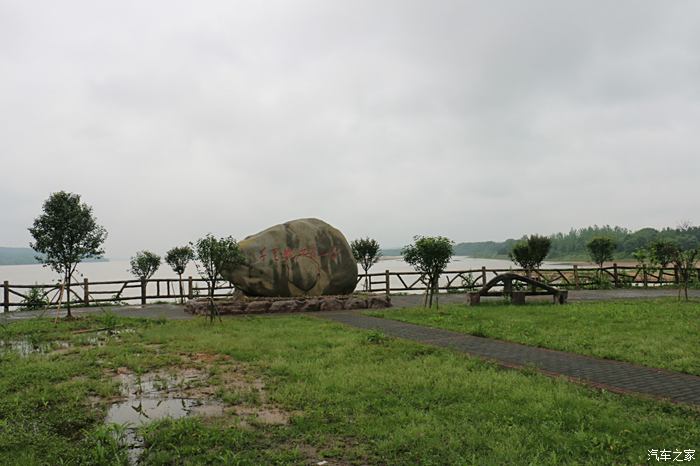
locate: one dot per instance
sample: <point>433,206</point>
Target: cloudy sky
<point>475,120</point>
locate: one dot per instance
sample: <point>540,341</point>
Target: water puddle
<point>26,347</point>
<point>154,396</point>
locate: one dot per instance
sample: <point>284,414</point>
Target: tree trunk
<point>427,293</point>
<point>437,294</point>
<point>182,296</point>
<point>213,310</point>
<point>67,282</point>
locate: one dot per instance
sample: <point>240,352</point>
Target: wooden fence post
<point>577,283</point>
<point>387,284</point>
<point>143,291</point>
<point>615,277</point>
<point>6,296</point>
<point>86,293</point>
<point>190,292</point>
<point>483,276</point>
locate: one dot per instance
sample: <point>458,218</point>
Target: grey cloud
<point>387,119</point>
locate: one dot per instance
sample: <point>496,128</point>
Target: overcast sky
<point>473,120</point>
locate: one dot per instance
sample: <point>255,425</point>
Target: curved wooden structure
<point>506,280</point>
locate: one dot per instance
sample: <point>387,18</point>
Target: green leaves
<point>429,255</point>
<point>178,258</point>
<point>144,264</point>
<point>366,252</point>
<point>66,233</point>
<point>214,254</point>
<point>530,253</point>
<point>601,249</point>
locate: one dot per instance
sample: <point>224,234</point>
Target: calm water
<point>118,270</point>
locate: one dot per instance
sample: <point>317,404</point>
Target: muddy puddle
<point>26,346</point>
<point>155,396</point>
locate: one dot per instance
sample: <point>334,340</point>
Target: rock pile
<point>245,305</point>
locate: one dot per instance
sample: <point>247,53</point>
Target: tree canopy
<point>144,264</point>
<point>601,249</point>
<point>178,258</point>
<point>531,252</point>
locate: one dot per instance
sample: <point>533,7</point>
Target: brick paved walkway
<point>611,375</point>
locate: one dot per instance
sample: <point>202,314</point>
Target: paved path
<point>611,375</point>
<point>175,312</point>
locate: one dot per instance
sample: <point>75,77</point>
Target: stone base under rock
<point>245,305</point>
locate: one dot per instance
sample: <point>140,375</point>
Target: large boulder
<point>305,257</point>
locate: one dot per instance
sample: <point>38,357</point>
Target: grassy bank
<point>658,333</point>
<point>297,390</point>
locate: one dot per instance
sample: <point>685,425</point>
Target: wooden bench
<point>506,280</point>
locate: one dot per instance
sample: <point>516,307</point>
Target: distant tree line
<point>573,245</point>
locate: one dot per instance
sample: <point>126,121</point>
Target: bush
<point>36,298</point>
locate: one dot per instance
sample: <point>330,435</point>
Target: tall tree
<point>367,253</point>
<point>531,252</point>
<point>601,249</point>
<point>144,264</point>
<point>65,234</point>
<point>178,258</point>
<point>212,255</point>
<point>429,255</point>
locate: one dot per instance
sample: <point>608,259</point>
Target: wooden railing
<point>568,278</point>
<point>88,293</point>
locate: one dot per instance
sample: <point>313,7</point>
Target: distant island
<point>571,246</point>
<point>24,256</point>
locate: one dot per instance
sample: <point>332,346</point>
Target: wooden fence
<point>568,278</point>
<point>88,293</point>
<point>123,291</point>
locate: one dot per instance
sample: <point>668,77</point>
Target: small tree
<point>429,256</point>
<point>66,233</point>
<point>367,253</point>
<point>662,252</point>
<point>601,249</point>
<point>530,253</point>
<point>642,256</point>
<point>178,258</point>
<point>144,264</point>
<point>212,255</point>
<point>685,260</point>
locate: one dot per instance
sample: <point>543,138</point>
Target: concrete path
<point>174,311</point>
<point>612,375</point>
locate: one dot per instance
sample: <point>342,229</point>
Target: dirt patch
<point>269,415</point>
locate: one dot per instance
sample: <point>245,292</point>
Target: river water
<point>118,270</point>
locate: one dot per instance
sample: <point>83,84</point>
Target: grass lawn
<point>661,333</point>
<point>299,390</point>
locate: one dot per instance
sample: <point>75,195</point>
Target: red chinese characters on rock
<point>289,254</point>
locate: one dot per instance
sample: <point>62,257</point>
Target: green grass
<point>355,397</point>
<point>661,333</point>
